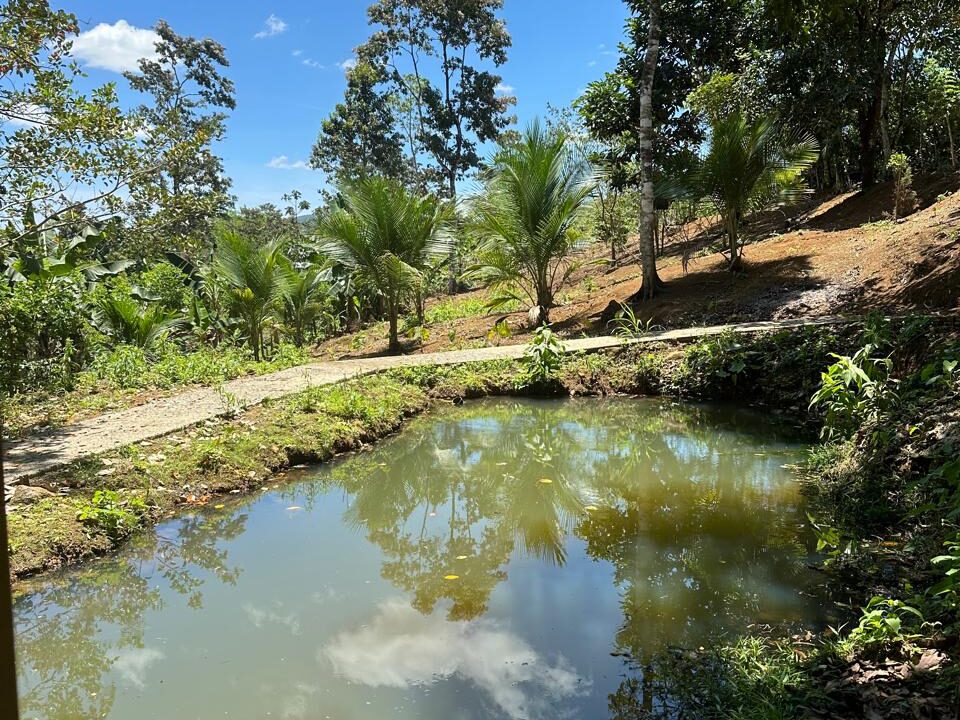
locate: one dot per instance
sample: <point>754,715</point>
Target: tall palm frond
<point>303,298</point>
<point>752,165</point>
<point>387,237</point>
<point>525,217</point>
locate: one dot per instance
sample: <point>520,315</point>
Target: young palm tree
<point>253,276</point>
<point>751,166</point>
<point>524,219</point>
<point>388,237</point>
<point>303,299</point>
<point>126,321</point>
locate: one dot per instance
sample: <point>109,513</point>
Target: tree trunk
<point>453,269</point>
<point>392,311</point>
<point>648,259</point>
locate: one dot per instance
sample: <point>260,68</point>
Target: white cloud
<point>116,47</point>
<point>348,64</point>
<point>309,62</point>
<point>402,648</point>
<point>503,89</point>
<point>27,115</point>
<point>591,63</point>
<point>272,27</point>
<point>282,162</point>
<point>297,53</point>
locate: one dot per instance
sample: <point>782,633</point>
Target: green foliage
<point>855,392</point>
<point>166,285</point>
<point>716,362</point>
<point>66,154</point>
<point>526,216</point>
<point>628,326</point>
<point>441,98</point>
<point>255,278</point>
<point>173,205</point>
<point>949,563</point>
<point>43,333</point>
<point>904,197</point>
<point>883,621</point>
<point>454,308</point>
<point>166,365</point>
<point>388,238</point>
<point>750,166</point>
<point>125,321</point>
<point>541,359</point>
<point>112,515</point>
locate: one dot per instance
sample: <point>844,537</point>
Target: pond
<point>518,559</point>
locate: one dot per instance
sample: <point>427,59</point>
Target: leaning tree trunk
<point>648,256</point>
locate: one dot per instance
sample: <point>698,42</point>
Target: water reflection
<point>504,559</point>
<point>79,629</point>
<point>401,647</point>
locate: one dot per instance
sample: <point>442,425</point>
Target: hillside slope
<point>833,256</point>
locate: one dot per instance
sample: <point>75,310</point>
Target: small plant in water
<point>542,358</point>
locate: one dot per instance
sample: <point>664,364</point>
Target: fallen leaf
<point>220,506</point>
<point>294,507</point>
<point>591,508</point>
<point>462,557</point>
<point>546,481</point>
<point>451,577</point>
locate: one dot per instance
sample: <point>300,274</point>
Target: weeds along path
<point>37,454</point>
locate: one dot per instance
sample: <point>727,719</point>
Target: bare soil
<point>834,255</point>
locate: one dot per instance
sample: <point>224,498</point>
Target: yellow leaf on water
<point>546,481</point>
<point>591,508</point>
<point>462,557</point>
<point>294,507</point>
<point>451,577</point>
<point>220,506</point>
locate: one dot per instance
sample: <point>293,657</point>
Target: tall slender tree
<point>189,94</point>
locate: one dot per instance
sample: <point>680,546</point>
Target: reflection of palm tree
<point>63,653</point>
<point>457,469</point>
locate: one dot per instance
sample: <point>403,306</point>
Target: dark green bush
<point>43,333</point>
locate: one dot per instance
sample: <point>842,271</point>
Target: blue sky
<point>286,56</point>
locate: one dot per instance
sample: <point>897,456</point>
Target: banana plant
<point>45,254</point>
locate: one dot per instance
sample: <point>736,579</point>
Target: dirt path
<point>41,453</point>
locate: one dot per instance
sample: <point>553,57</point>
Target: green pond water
<point>514,559</point>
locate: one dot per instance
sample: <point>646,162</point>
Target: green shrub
<point>541,359</point>
<point>166,285</point>
<point>110,514</point>
<point>854,391</point>
<point>43,334</point>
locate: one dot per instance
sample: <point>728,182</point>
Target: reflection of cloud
<point>296,704</point>
<point>402,648</point>
<point>132,664</point>
<point>259,618</point>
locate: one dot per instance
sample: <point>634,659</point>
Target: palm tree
<point>253,276</point>
<point>387,237</point>
<point>126,321</point>
<point>752,165</point>
<point>524,219</point>
<point>303,299</point>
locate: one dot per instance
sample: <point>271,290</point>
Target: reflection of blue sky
<point>401,648</point>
